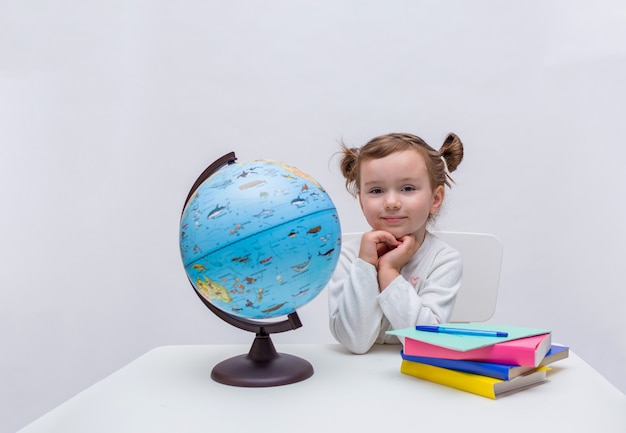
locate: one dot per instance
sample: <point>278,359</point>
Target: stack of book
<point>484,359</point>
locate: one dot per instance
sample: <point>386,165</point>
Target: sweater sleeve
<point>354,313</point>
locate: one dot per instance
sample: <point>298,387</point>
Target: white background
<point>109,111</point>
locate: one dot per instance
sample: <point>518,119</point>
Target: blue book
<point>498,371</point>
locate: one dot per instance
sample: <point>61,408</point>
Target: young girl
<point>398,274</point>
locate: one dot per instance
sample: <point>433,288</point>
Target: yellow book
<point>474,383</point>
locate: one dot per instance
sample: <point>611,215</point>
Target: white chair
<point>482,260</point>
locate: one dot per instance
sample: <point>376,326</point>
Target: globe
<point>258,240</point>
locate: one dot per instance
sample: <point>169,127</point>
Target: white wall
<point>110,110</point>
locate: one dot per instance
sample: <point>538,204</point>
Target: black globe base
<point>263,366</point>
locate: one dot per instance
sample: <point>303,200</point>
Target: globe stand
<point>263,366</point>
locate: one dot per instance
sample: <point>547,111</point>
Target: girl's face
<point>395,194</point>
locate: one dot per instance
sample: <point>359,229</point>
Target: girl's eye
<point>408,188</point>
<point>376,191</point>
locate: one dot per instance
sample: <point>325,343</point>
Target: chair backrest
<point>482,260</point>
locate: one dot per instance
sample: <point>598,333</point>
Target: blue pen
<point>461,331</point>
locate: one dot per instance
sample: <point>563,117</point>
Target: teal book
<point>465,343</point>
<point>490,369</point>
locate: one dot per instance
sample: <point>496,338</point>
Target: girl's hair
<point>451,152</point>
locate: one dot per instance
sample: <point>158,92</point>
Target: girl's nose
<point>392,202</point>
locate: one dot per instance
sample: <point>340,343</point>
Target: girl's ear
<point>438,196</point>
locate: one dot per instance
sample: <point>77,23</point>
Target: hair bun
<point>452,151</point>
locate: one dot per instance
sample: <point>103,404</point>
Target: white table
<point>169,389</point>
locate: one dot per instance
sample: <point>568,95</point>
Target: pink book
<point>528,351</point>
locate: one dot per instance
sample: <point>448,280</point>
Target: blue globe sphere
<point>259,239</point>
